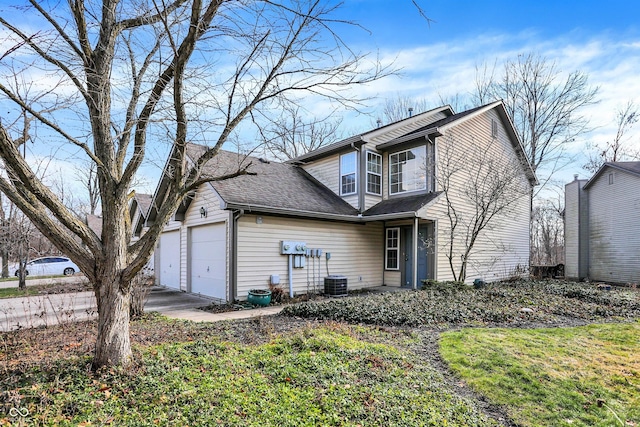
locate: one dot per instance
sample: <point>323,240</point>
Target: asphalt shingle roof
<point>401,204</point>
<point>633,167</point>
<point>144,202</point>
<point>270,184</point>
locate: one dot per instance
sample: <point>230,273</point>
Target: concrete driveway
<point>44,310</point>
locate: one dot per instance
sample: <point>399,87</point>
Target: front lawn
<point>583,376</point>
<point>534,367</point>
<point>317,376</point>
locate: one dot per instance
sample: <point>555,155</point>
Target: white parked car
<point>48,266</point>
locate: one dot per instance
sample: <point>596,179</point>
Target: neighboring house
<point>372,203</point>
<point>138,212</point>
<point>602,225</point>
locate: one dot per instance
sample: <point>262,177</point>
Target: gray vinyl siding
<point>356,252</point>
<point>502,249</point>
<point>614,230</point>
<point>576,229</point>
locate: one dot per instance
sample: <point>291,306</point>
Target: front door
<point>407,255</point>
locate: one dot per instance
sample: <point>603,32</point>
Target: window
<point>392,252</point>
<point>408,170</point>
<point>348,173</point>
<point>374,173</point>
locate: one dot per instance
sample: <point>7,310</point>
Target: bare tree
<point>547,239</point>
<point>480,189</point>
<point>544,105</point>
<point>87,174</point>
<point>133,69</point>
<point>16,238</point>
<point>290,135</point>
<point>401,107</point>
<point>616,150</point>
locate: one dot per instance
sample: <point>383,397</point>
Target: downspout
<point>233,268</point>
<point>415,253</point>
<point>361,174</point>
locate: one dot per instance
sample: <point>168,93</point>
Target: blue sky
<point>438,59</point>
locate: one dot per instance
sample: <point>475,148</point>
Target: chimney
<point>410,111</point>
<point>575,177</point>
<point>379,122</point>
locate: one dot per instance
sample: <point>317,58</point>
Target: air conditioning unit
<point>335,286</point>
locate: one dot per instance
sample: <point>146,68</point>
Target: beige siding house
<point>602,217</point>
<point>372,208</point>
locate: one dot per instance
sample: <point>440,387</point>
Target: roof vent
<point>410,111</point>
<point>265,161</point>
<point>379,122</point>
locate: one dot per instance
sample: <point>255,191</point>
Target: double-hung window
<point>392,250</point>
<point>408,170</point>
<point>348,173</point>
<point>374,173</point>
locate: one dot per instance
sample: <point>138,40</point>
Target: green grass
<point>315,377</point>
<point>583,376</point>
<point>17,292</point>
<point>28,291</point>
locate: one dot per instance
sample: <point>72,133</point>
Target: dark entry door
<point>407,254</point>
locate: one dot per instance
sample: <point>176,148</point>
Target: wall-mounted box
<point>288,247</point>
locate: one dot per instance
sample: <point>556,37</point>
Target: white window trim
<point>355,173</point>
<point>386,249</point>
<point>373,173</point>
<point>389,172</point>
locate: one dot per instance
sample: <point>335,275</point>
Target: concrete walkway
<point>196,315</point>
<point>180,305</point>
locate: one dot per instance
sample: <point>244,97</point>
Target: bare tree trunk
<point>5,263</point>
<point>22,268</point>
<point>113,292</point>
<point>113,346</point>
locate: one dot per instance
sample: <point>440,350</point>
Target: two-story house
<point>373,208</point>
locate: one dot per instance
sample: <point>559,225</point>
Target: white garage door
<point>208,256</point>
<point>170,259</point>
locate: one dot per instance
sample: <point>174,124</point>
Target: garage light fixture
<point>203,212</point>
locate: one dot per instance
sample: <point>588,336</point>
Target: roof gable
<point>632,168</point>
<point>383,133</point>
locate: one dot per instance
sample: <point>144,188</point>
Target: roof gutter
<point>329,149</point>
<point>320,215</point>
<point>293,212</point>
<point>409,137</point>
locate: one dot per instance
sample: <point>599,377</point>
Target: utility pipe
<point>290,276</point>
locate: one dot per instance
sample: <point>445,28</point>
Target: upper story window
<point>374,173</point>
<point>408,170</point>
<point>348,173</point>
